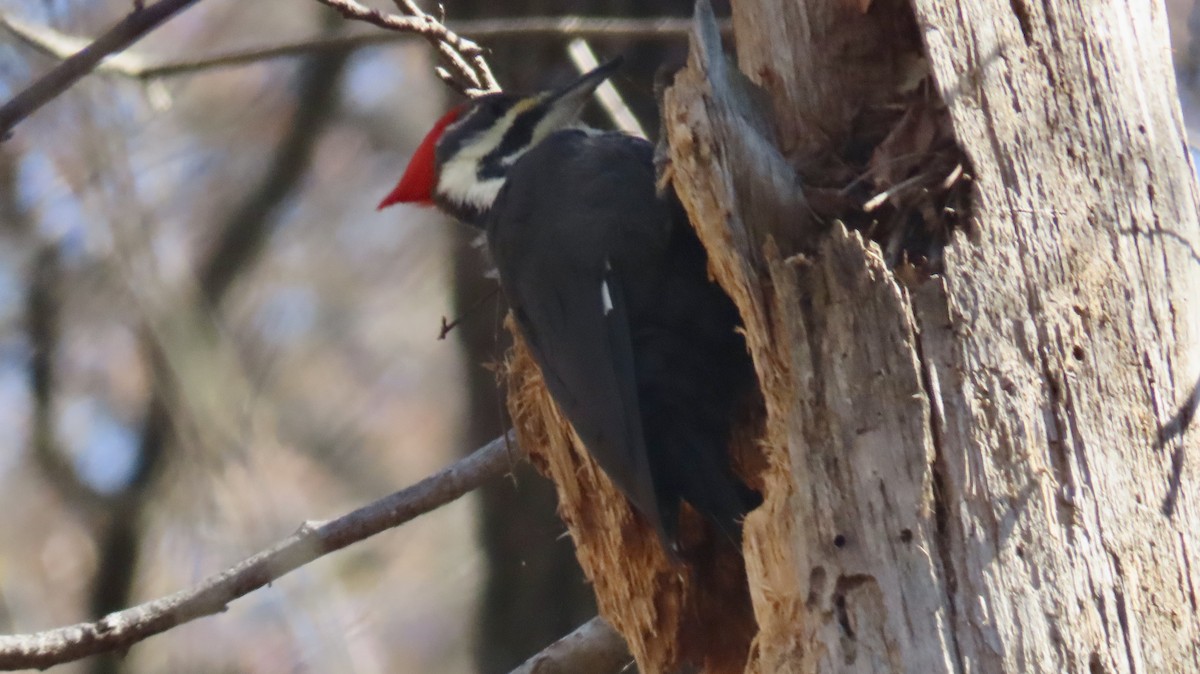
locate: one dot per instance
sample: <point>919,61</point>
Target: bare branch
<point>48,86</point>
<point>146,67</point>
<point>43,318</point>
<point>472,74</point>
<point>463,54</point>
<point>593,648</point>
<point>61,45</point>
<point>447,326</point>
<point>167,417</point>
<point>313,540</point>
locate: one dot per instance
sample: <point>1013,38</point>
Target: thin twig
<point>119,630</point>
<point>61,77</point>
<point>878,200</point>
<point>472,74</point>
<point>447,326</point>
<point>466,56</point>
<point>593,648</point>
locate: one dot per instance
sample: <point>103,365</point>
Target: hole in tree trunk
<point>897,175</point>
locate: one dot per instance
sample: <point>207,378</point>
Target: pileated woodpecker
<point>610,289</point>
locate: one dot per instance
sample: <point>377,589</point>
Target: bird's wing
<point>566,205</point>
<point>578,331</point>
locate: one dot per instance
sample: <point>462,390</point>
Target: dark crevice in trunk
<point>942,508</point>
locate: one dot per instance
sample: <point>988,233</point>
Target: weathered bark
<point>594,648</point>
<point>984,471</point>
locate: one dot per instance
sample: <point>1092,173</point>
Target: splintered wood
<point>671,615</point>
<point>978,471</point>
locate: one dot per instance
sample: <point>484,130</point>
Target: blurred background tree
<point>207,336</point>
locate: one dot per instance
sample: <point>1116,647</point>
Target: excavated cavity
<point>896,174</point>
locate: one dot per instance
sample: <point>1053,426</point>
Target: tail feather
<point>688,447</point>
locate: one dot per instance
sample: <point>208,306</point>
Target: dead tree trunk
<point>974,460</point>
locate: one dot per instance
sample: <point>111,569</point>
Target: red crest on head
<point>419,180</point>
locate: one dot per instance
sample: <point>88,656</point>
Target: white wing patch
<point>605,294</point>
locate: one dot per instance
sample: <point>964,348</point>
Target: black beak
<point>567,102</point>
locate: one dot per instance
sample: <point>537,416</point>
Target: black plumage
<point>610,288</point>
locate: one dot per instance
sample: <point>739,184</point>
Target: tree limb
<point>43,317</point>
<point>593,648</point>
<point>61,77</point>
<point>313,540</point>
<point>242,232</point>
<point>142,66</point>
